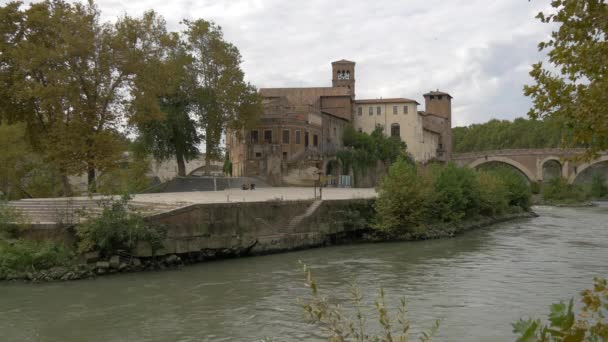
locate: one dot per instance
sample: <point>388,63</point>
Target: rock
<point>136,262</point>
<point>122,267</point>
<point>102,265</point>
<point>115,262</point>
<point>173,260</point>
<point>91,257</point>
<point>102,270</point>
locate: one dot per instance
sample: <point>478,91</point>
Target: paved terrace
<point>50,211</point>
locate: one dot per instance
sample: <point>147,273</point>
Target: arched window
<point>395,130</point>
<point>347,75</point>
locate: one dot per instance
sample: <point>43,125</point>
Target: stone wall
<point>257,227</point>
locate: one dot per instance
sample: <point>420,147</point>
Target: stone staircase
<point>70,211</point>
<point>296,220</point>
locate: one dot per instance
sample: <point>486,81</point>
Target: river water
<point>477,284</point>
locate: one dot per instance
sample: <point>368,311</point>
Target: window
<point>347,75</point>
<point>395,130</point>
<point>268,136</point>
<point>315,140</point>
<point>360,130</point>
<point>254,137</point>
<point>378,110</point>
<point>439,97</point>
<point>394,109</point>
<point>432,97</point>
<point>298,137</point>
<point>405,109</point>
<point>258,154</point>
<point>335,133</point>
<point>360,111</point>
<point>371,110</point>
<point>285,136</point>
<point>305,139</point>
<point>284,155</point>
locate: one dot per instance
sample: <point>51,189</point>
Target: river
<point>477,284</point>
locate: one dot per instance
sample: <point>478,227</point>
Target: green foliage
<point>11,222</point>
<point>23,173</point>
<point>337,326</point>
<point>364,150</point>
<point>564,326</point>
<point>412,197</point>
<point>131,178</point>
<point>456,193</point>
<point>118,228</point>
<point>227,168</point>
<point>30,256</point>
<point>598,187</point>
<point>557,190</point>
<point>572,87</point>
<point>404,198</point>
<point>535,187</point>
<point>504,134</point>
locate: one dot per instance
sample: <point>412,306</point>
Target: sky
<point>479,51</point>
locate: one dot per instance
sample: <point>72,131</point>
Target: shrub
<point>337,326</point>
<point>403,199</point>
<point>535,187</point>
<point>493,194</point>
<point>519,193</point>
<point>557,190</point>
<point>118,228</point>
<point>598,187</point>
<point>590,325</point>
<point>456,193</point>
<point>30,256</point>
<point>11,222</point>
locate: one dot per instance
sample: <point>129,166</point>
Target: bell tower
<point>343,75</point>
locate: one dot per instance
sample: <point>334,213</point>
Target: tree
<point>223,99</point>
<point>176,134</point>
<point>69,78</point>
<point>573,88</point>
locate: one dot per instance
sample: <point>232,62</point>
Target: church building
<point>300,130</point>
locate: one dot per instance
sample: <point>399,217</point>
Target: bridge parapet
<point>518,152</point>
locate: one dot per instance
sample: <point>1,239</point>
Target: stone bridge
<point>535,164</point>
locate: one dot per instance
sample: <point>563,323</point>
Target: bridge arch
<point>545,162</point>
<point>529,174</point>
<point>583,167</point>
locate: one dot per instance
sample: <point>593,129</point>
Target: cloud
<point>479,51</point>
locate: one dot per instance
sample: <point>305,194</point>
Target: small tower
<point>343,75</point>
<point>440,104</point>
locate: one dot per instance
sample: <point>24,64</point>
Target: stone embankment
<point>211,231</point>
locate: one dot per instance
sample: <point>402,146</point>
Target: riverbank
<point>90,266</point>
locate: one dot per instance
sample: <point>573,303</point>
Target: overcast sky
<point>480,51</point>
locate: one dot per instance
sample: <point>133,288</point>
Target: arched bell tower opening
<point>343,75</point>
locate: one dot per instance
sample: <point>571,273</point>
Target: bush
<point>535,187</point>
<point>590,325</point>
<point>403,199</point>
<point>519,192</point>
<point>118,228</point>
<point>598,188</point>
<point>30,256</point>
<point>557,190</point>
<point>456,193</point>
<point>11,222</point>
<point>335,325</point>
<point>493,194</point>
<point>411,197</point>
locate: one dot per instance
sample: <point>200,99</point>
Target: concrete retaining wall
<point>256,227</point>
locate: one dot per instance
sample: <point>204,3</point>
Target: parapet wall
<point>257,227</point>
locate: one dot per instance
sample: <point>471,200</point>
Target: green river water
<point>477,284</point>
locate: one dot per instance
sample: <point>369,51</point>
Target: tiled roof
<point>342,61</point>
<point>437,92</point>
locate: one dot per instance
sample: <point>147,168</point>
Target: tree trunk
<point>207,160</point>
<point>91,179</point>
<point>67,187</point>
<point>181,165</point>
